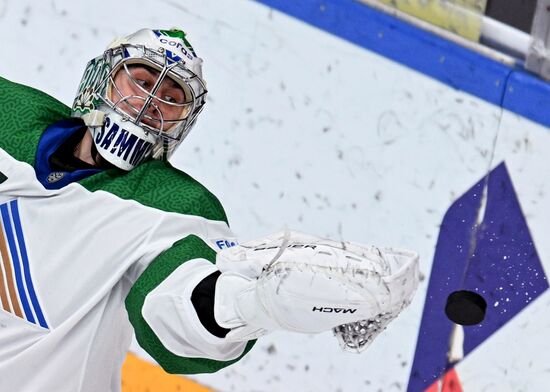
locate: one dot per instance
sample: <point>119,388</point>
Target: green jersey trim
<point>190,247</point>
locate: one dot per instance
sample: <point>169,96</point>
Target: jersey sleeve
<point>165,322</point>
<point>159,304</point>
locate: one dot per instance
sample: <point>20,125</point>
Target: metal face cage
<point>98,91</point>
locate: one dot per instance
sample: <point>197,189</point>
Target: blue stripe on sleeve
<point>26,268</point>
<point>15,262</point>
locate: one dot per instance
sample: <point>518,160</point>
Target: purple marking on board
<point>504,268</point>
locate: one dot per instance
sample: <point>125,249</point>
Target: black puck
<point>465,307</point>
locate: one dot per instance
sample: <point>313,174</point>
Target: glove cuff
<point>237,307</point>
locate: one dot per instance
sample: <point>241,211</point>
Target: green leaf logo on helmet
<point>91,86</point>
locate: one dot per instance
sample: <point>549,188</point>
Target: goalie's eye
<point>144,84</point>
<point>169,91</point>
<point>173,95</point>
<point>142,76</point>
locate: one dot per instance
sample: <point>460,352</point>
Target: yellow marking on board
<point>462,17</point>
<point>141,376</point>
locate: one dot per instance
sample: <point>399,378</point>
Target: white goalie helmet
<point>141,97</point>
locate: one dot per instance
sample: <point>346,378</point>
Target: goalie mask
<point>141,98</point>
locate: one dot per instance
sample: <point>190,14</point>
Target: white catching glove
<point>301,283</point>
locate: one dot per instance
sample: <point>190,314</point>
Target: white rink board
<point>305,130</point>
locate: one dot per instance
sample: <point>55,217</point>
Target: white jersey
<point>68,260</point>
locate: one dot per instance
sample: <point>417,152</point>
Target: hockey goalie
<point>101,238</point>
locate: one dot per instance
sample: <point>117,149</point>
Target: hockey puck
<point>465,307</point>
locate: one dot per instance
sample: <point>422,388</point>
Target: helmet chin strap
<point>95,118</point>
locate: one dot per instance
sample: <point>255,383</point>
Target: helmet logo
<point>54,177</point>
<point>86,99</point>
<point>177,45</point>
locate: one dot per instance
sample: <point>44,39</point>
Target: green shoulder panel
<point>159,185</point>
<point>24,115</point>
<point>188,248</point>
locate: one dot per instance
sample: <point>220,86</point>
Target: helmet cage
<point>98,91</point>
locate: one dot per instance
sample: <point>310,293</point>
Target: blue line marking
<point>26,268</point>
<point>512,88</point>
<point>402,42</point>
<point>528,96</point>
<point>15,263</point>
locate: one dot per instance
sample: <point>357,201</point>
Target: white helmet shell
<point>128,134</point>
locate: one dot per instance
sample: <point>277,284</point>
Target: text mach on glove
<point>296,282</point>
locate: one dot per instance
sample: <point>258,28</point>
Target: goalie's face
<point>136,86</point>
